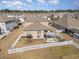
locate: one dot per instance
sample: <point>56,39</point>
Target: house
<point>69,24</point>
<point>7,24</point>
<point>36,27</point>
<point>76,15</point>
<point>18,16</point>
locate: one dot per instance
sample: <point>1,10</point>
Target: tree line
<point>37,11</point>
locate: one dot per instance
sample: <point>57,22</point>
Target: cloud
<point>13,3</point>
<point>76,2</point>
<point>16,3</point>
<point>29,1</point>
<point>26,3</point>
<point>42,1</point>
<point>53,2</point>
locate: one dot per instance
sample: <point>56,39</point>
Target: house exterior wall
<point>3,27</point>
<point>35,34</point>
<point>21,19</point>
<point>11,16</point>
<point>10,25</point>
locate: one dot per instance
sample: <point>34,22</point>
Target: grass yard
<point>63,52</point>
<point>26,42</point>
<point>66,36</point>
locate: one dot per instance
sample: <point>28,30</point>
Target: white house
<point>7,24</point>
<point>19,17</point>
<point>36,27</point>
<point>9,20</point>
<point>20,20</point>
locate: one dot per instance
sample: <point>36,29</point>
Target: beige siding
<point>35,34</point>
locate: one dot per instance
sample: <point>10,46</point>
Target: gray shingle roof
<point>62,21</point>
<point>36,19</point>
<point>72,22</point>
<point>75,30</point>
<point>5,19</point>
<point>36,26</point>
<point>68,21</point>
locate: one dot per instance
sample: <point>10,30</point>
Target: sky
<point>39,4</point>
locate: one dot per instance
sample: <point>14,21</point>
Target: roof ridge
<point>36,26</point>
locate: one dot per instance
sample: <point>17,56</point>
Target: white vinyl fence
<point>13,45</point>
<point>28,48</point>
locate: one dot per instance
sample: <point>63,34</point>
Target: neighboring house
<point>14,14</point>
<point>68,24</point>
<point>36,27</point>
<point>20,20</point>
<point>76,15</point>
<point>7,24</point>
<point>19,17</point>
